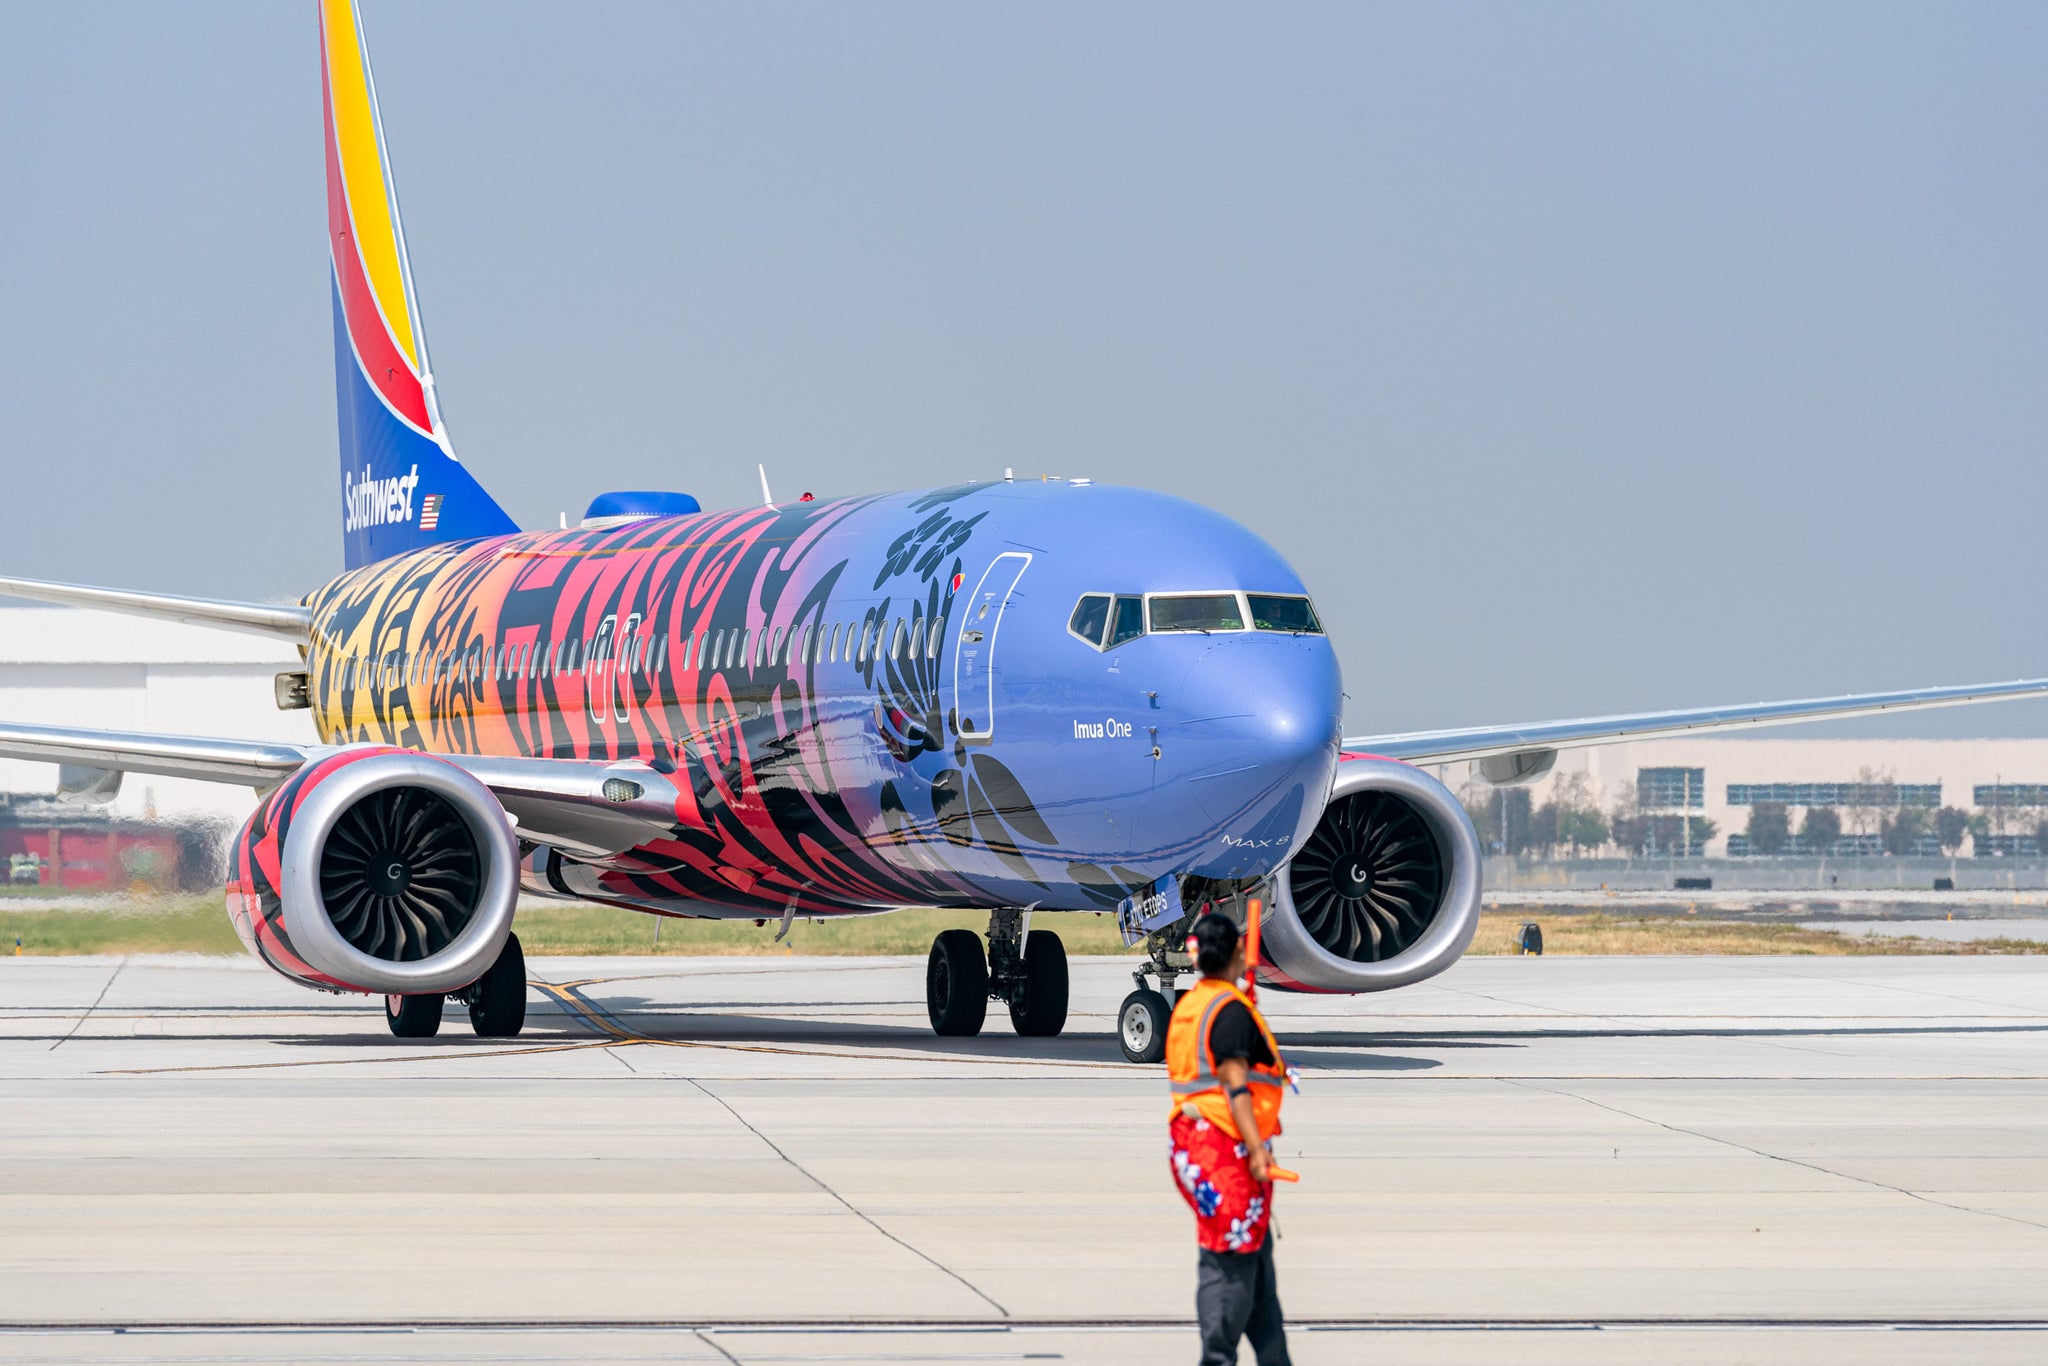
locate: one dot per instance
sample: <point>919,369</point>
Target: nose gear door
<point>974,645</point>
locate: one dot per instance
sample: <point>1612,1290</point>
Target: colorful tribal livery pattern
<point>868,703</point>
<point>748,650</point>
<point>255,873</point>
<point>401,486</point>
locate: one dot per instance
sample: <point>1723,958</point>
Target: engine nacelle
<point>376,870</point>
<point>1385,889</point>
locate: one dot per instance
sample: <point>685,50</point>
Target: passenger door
<point>975,623</point>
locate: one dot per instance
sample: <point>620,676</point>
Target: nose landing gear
<point>1025,970</point>
<point>1142,1019</point>
<point>1141,1024</point>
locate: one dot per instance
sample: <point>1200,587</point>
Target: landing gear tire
<point>497,1003</point>
<point>956,985</point>
<point>413,1017</point>
<point>1042,1011</point>
<point>1141,1026</point>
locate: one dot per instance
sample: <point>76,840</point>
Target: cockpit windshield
<point>1196,612</point>
<point>1129,621</point>
<point>1271,612</point>
<point>1107,620</point>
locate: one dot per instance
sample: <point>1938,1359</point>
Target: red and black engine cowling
<point>1384,891</point>
<point>376,870</point>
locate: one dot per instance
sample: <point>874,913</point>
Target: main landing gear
<point>496,1001</point>
<point>1025,970</point>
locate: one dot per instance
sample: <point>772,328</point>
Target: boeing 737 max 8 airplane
<point>1018,697</point>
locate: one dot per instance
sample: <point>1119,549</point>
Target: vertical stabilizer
<point>401,486</point>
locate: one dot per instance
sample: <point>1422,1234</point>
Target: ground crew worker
<point>1228,1079</point>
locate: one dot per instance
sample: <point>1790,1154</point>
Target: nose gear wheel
<point>1141,1026</point>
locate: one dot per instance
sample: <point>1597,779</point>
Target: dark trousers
<point>1237,1296</point>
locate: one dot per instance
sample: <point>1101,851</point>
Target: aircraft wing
<point>250,763</point>
<point>290,622</point>
<point>1523,752</point>
<point>574,804</point>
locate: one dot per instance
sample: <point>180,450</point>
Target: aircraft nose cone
<point>1258,745</point>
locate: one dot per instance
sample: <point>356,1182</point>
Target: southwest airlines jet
<point>1014,697</point>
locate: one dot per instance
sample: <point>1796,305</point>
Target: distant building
<point>2004,783</point>
<point>63,666</point>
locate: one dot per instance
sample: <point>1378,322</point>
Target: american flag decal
<point>430,511</point>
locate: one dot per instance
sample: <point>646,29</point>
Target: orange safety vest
<point>1191,1063</point>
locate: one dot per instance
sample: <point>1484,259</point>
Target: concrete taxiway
<point>749,1160</point>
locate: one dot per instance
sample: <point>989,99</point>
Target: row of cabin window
<point>639,655</point>
<point>725,649</point>
<point>854,642</point>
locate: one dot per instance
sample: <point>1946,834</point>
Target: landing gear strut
<point>496,1001</point>
<point>1026,971</point>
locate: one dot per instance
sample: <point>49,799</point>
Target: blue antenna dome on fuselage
<point>633,504</point>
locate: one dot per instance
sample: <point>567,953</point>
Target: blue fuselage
<point>1043,694</point>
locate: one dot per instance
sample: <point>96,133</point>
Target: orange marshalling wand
<point>1252,911</point>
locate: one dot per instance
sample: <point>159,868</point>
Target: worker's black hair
<point>1215,939</point>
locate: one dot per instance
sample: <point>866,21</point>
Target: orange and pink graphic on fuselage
<point>747,648</point>
<point>573,644</point>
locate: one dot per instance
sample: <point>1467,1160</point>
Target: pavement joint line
<point>1887,984</point>
<point>1780,1157</point>
<point>1018,1326</point>
<point>1300,1039</point>
<point>701,1337</point>
<point>593,1014</point>
<point>1330,1077</point>
<point>851,1208</point>
<point>80,1022</point>
<point>444,1056</point>
<point>603,1019</point>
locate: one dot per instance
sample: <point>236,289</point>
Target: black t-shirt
<point>1233,1035</point>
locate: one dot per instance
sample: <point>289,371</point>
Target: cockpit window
<point>1091,615</point>
<point>1196,612</point>
<point>1129,621</point>
<point>1271,612</point>
<point>1107,622</point>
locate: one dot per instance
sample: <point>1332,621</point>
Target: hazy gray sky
<point>1582,358</point>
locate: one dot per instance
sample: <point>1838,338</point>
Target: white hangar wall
<point>63,666</point>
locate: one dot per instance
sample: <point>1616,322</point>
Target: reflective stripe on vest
<point>1205,1078</point>
<point>1191,1065</point>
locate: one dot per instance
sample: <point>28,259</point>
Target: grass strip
<point>200,925</point>
<point>1600,933</point>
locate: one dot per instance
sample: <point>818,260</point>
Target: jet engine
<point>376,870</point>
<point>1383,892</point>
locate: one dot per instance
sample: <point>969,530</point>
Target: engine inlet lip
<point>314,936</point>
